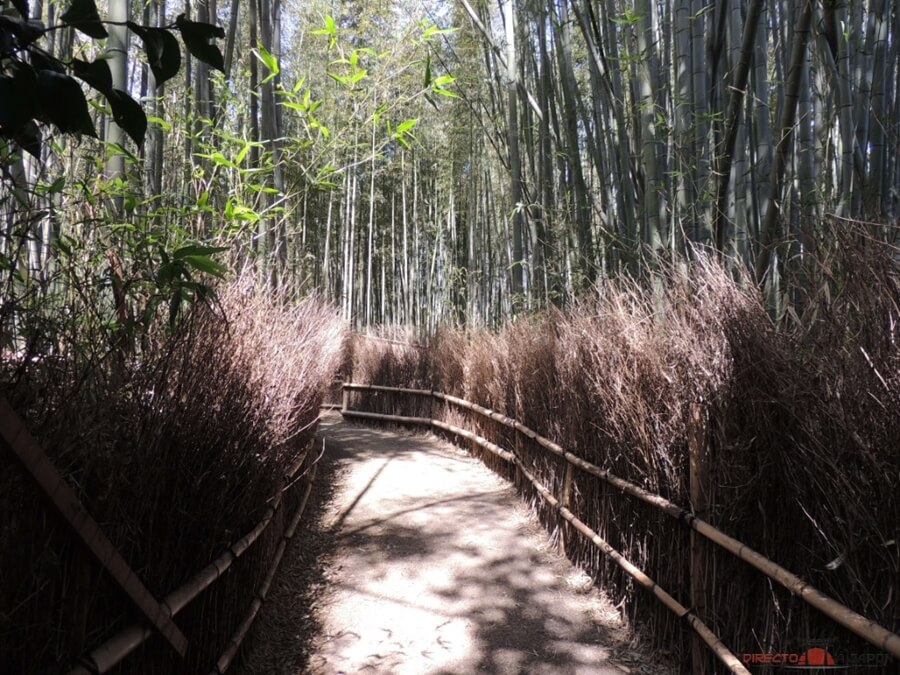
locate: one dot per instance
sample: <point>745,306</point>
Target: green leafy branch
<point>36,86</point>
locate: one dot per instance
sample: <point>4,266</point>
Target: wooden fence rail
<point>63,498</point>
<point>861,626</point>
<point>105,657</point>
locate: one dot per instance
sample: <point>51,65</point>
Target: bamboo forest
<point>342,336</point>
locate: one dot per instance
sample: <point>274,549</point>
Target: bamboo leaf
<point>219,159</point>
<point>198,40</point>
<point>162,50</point>
<point>445,92</point>
<point>83,16</point>
<point>196,250</point>
<point>329,29</point>
<point>405,126</point>
<point>17,98</point>
<point>22,7</point>
<point>129,115</point>
<point>242,153</point>
<point>206,264</point>
<point>269,61</point>
<point>62,102</point>
<point>160,122</point>
<point>427,82</point>
<point>29,139</point>
<point>95,74</point>
<point>175,306</point>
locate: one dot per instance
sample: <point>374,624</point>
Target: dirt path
<point>423,561</point>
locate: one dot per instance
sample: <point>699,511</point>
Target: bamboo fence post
<point>699,478</point>
<point>77,608</point>
<point>345,398</point>
<point>722,652</point>
<point>565,500</point>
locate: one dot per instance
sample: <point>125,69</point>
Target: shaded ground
<point>420,560</point>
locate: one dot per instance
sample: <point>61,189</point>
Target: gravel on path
<point>422,561</point>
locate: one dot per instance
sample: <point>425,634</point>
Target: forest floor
<point>417,559</point>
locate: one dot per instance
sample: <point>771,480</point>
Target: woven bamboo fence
<point>423,402</point>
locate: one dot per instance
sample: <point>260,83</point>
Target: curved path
<point>420,560</point>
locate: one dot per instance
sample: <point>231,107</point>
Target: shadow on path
<point>419,561</point>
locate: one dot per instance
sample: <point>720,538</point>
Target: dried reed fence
<point>183,452</point>
<point>801,419</point>
<point>561,503</point>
